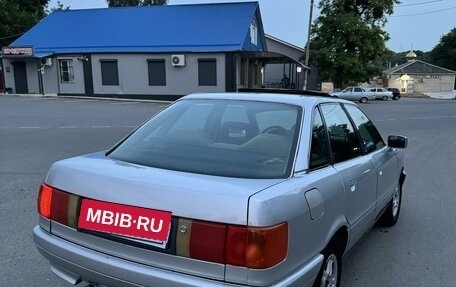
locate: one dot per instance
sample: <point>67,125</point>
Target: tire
<point>331,270</point>
<point>384,98</point>
<point>396,98</point>
<point>391,214</point>
<point>363,100</point>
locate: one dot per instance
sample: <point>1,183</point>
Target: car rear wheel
<point>391,214</point>
<point>385,98</point>
<point>331,270</point>
<point>363,100</point>
<point>396,98</point>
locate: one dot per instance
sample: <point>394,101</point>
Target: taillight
<point>266,247</point>
<point>58,205</point>
<point>207,241</point>
<point>45,201</point>
<point>236,245</point>
<point>257,248</point>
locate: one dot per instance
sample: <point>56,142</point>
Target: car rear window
<point>231,138</point>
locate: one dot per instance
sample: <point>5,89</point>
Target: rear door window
<point>343,139</point>
<point>371,138</point>
<point>319,155</point>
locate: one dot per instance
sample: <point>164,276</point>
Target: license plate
<point>135,222</point>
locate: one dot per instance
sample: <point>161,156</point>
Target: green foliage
<point>347,41</point>
<point>444,53</point>
<point>400,58</point>
<point>18,16</point>
<point>124,3</point>
<point>59,7</point>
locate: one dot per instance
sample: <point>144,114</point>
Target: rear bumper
<point>75,263</point>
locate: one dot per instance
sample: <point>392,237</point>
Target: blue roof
<point>171,28</point>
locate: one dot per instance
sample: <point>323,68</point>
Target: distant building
<point>155,52</point>
<point>417,76</point>
<point>293,69</point>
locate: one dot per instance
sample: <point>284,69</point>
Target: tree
<point>400,58</point>
<point>347,41</point>
<point>444,53</point>
<point>18,16</point>
<point>123,3</point>
<point>59,7</point>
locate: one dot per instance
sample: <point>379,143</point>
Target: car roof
<point>295,99</point>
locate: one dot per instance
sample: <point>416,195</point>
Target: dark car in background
<point>396,93</point>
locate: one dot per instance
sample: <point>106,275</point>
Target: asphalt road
<point>418,251</point>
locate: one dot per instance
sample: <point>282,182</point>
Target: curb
<point>90,98</point>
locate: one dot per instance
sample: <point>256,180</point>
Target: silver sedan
<point>231,189</point>
<point>381,94</point>
<point>354,94</point>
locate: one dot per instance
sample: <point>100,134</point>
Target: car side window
<point>343,139</point>
<point>358,90</point>
<point>371,138</point>
<point>319,144</point>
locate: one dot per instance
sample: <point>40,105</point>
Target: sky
<point>415,24</point>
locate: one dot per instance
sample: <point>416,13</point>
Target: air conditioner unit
<point>178,60</point>
<point>46,61</point>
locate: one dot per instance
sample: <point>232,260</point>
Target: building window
<point>253,33</point>
<point>66,71</point>
<point>207,72</point>
<point>157,72</point>
<point>109,73</point>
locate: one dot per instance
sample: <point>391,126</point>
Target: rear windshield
<point>228,138</point>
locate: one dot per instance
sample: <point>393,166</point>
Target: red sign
<point>137,222</point>
<point>17,51</point>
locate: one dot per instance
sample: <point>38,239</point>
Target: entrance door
<point>2,80</point>
<point>20,78</point>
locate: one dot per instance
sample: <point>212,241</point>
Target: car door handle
<point>379,168</point>
<point>352,184</point>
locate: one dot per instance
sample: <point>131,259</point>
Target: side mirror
<point>396,141</point>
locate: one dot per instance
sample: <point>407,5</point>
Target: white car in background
<point>381,94</point>
<point>354,94</point>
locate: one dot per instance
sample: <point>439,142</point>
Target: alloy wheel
<point>396,201</point>
<point>330,272</point>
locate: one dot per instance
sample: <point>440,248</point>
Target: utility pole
<point>306,72</point>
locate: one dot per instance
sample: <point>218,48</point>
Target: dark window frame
<point>329,158</point>
<point>69,71</point>
<point>351,146</point>
<point>109,78</point>
<point>155,81</point>
<point>207,79</point>
<point>370,128</point>
<point>254,32</point>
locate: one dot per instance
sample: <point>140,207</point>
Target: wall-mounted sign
<point>420,77</point>
<point>24,51</point>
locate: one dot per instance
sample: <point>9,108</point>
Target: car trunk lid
<point>195,196</point>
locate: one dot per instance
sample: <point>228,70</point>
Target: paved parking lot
<point>418,251</point>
